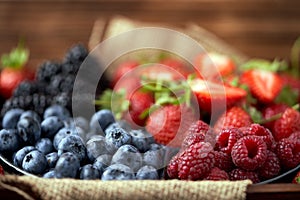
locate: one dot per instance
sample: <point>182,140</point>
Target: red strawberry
<point>214,97</point>
<point>196,161</point>
<point>293,82</point>
<point>14,70</point>
<point>264,85</point>
<point>129,83</point>
<point>1,170</point>
<point>296,179</point>
<point>139,102</point>
<point>211,65</point>
<point>177,65</point>
<point>271,111</point>
<point>287,124</point>
<point>234,117</point>
<point>122,69</point>
<point>169,123</point>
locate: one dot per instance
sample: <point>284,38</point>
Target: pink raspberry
<point>241,174</point>
<point>217,174</point>
<point>271,167</point>
<point>223,161</point>
<point>249,152</point>
<point>288,152</point>
<point>192,138</point>
<point>196,161</point>
<point>227,138</point>
<point>172,169</point>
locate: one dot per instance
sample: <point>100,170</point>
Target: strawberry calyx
<point>17,58</point>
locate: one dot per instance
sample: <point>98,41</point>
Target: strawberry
<point>177,65</point>
<point>212,65</point>
<point>1,170</point>
<point>215,97</point>
<point>292,82</point>
<point>128,83</point>
<point>287,124</point>
<point>13,70</point>
<point>139,102</point>
<point>122,69</point>
<point>233,117</point>
<point>264,85</point>
<point>271,111</point>
<point>169,123</point>
<point>296,179</point>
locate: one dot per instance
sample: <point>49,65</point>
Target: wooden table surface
<point>259,28</point>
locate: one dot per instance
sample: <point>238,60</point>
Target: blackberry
<point>70,68</point>
<point>76,54</point>
<point>64,99</point>
<point>47,70</point>
<point>61,83</point>
<point>35,102</point>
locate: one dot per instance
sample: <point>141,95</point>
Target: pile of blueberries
<point>56,145</point>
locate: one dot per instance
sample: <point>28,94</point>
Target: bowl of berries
<point>156,120</point>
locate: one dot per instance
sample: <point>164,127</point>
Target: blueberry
<point>61,134</point>
<point>44,145</point>
<point>35,162</point>
<point>118,172</point>
<point>58,111</point>
<point>52,159</point>
<point>111,127</point>
<point>19,155</point>
<point>128,155</point>
<point>141,139</point>
<point>102,162</point>
<point>101,120</point>
<point>67,165</point>
<point>159,148</point>
<point>118,137</point>
<point>80,132</point>
<point>82,123</point>
<point>89,172</point>
<point>153,158</point>
<point>98,146</point>
<point>147,172</point>
<point>11,118</point>
<point>29,130</point>
<point>73,144</point>
<point>50,174</point>
<point>31,114</point>
<point>50,126</point>
<point>9,141</point>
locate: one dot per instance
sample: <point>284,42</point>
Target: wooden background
<point>259,28</point>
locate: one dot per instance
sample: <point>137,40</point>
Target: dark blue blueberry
<point>101,120</point>
<point>141,140</point>
<point>102,162</point>
<point>111,127</point>
<point>52,159</point>
<point>82,123</point>
<point>118,137</point>
<point>31,114</point>
<point>89,172</point>
<point>29,130</point>
<point>58,111</point>
<point>44,145</point>
<point>73,144</point>
<point>153,158</point>
<point>128,155</point>
<point>35,162</point>
<point>118,172</point>
<point>147,172</point>
<point>19,155</point>
<point>67,165</point>
<point>9,141</point>
<point>159,148</point>
<point>61,134</point>
<point>69,123</point>
<point>97,146</point>
<point>11,118</point>
<point>50,174</point>
<point>80,132</point>
<point>50,126</point>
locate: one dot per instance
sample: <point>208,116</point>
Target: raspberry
<point>198,127</point>
<point>288,152</point>
<point>172,169</point>
<point>295,136</point>
<point>241,174</point>
<point>223,161</point>
<point>192,138</point>
<point>271,167</point>
<point>217,174</point>
<point>249,152</point>
<point>227,138</point>
<point>264,133</point>
<point>196,161</point>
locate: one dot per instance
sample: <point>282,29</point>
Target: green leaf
<point>17,58</point>
<point>295,60</point>
<point>288,96</point>
<point>263,64</point>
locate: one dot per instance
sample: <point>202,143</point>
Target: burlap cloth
<point>40,188</point>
